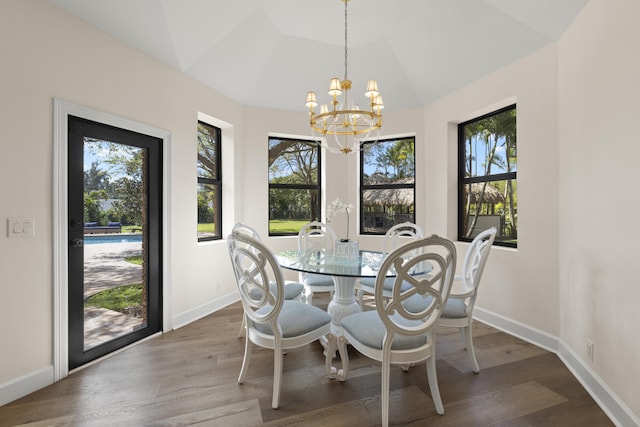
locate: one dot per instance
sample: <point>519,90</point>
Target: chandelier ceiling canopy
<point>343,120</point>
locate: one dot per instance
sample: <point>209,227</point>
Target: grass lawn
<point>206,228</point>
<point>286,225</point>
<point>275,226</point>
<point>135,259</point>
<point>121,299</point>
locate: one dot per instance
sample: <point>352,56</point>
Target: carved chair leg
<point>344,358</point>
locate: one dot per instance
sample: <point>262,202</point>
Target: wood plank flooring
<point>188,377</point>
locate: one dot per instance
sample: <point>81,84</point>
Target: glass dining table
<point>344,271</point>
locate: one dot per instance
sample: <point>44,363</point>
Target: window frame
<point>275,186</point>
<point>364,187</point>
<point>216,182</point>
<point>462,180</point>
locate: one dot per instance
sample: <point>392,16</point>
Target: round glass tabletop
<point>367,264</point>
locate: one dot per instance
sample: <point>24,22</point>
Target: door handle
<point>77,243</point>
<point>75,222</point>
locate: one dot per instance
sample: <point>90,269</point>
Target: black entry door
<point>115,240</point>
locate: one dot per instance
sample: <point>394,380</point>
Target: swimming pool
<point>120,238</point>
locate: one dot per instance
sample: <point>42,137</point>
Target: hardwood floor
<point>188,377</point>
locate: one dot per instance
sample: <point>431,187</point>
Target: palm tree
<point>496,131</point>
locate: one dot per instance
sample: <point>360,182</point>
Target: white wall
<point>599,112</point>
<point>47,53</point>
<point>513,279</point>
<point>571,277</point>
<point>577,105</point>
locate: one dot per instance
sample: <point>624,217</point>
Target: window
<point>487,186</point>
<point>209,183</point>
<point>387,183</point>
<point>294,184</point>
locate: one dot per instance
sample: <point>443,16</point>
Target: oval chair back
<point>399,235</point>
<point>272,321</point>
<point>255,267</point>
<point>319,238</point>
<point>396,236</point>
<point>316,235</point>
<point>396,334</point>
<point>473,266</point>
<point>458,312</point>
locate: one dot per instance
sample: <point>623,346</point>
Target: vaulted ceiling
<point>269,53</point>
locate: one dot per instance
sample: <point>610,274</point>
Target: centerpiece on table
<point>346,248</point>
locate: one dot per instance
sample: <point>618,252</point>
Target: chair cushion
<point>296,318</point>
<point>312,279</point>
<point>292,290</point>
<point>453,309</point>
<point>367,327</point>
<point>388,283</point>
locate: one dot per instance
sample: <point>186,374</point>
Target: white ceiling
<point>269,53</point>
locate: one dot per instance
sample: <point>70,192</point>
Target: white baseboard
<point>203,310</point>
<point>517,329</point>
<point>26,384</point>
<point>610,403</point>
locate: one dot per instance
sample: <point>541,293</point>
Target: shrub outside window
<point>487,191</point>
<point>209,183</point>
<point>387,184</point>
<point>294,184</point>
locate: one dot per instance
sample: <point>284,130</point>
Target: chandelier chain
<point>345,38</point>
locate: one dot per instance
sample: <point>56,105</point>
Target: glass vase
<point>347,250</point>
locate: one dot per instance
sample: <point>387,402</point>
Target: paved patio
<point>105,268</point>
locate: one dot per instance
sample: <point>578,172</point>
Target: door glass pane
<point>115,217</point>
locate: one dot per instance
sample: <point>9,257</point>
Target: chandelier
<point>344,119</point>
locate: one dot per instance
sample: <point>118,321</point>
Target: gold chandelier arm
<point>344,122</point>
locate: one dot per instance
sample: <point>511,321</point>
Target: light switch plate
<point>21,227</point>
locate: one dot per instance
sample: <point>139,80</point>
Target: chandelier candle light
<point>345,117</point>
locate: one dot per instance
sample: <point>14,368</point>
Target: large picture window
<point>387,184</point>
<point>294,184</point>
<point>487,191</point>
<point>209,183</point>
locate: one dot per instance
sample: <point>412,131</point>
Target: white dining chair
<point>272,321</point>
<point>320,237</point>
<point>395,237</point>
<point>292,290</point>
<point>392,333</point>
<point>458,311</point>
